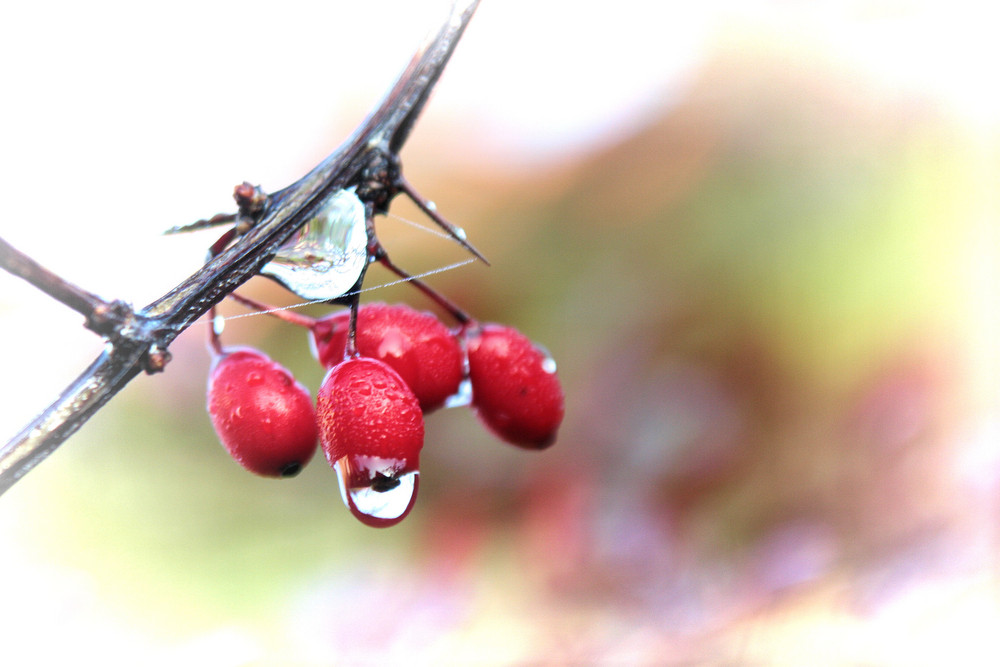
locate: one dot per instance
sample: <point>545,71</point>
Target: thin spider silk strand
<point>400,281</point>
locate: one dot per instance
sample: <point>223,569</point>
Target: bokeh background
<point>760,239</point>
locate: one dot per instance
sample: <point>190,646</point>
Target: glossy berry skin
<point>515,390</point>
<point>264,418</point>
<point>414,344</point>
<point>364,408</point>
<point>328,337</point>
<point>371,429</point>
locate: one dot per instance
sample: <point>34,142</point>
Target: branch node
<point>155,360</point>
<point>378,180</point>
<point>107,319</point>
<point>250,199</point>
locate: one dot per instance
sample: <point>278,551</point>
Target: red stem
<point>438,298</point>
<point>282,314</point>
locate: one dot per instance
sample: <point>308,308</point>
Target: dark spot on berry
<point>291,469</point>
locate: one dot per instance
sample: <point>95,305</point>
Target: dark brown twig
<point>22,266</point>
<point>138,340</point>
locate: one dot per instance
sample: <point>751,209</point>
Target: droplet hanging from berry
<point>371,430</point>
<point>325,258</point>
<point>264,418</point>
<point>374,491</point>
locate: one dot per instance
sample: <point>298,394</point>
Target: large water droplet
<point>326,257</point>
<point>375,489</point>
<point>218,324</point>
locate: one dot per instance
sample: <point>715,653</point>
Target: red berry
<point>371,429</point>
<point>329,337</point>
<point>515,389</point>
<point>416,345</point>
<point>264,418</point>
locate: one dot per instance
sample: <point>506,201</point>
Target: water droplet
<point>218,324</point>
<point>326,257</point>
<point>431,206</point>
<point>460,233</point>
<point>462,397</point>
<point>379,492</point>
<point>548,363</point>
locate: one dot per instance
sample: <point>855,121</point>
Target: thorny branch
<point>138,340</point>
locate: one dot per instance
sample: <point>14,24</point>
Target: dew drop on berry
<point>326,257</point>
<point>373,490</point>
<point>548,363</point>
<point>462,397</point>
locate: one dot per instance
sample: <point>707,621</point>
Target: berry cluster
<point>387,365</point>
<point>384,376</point>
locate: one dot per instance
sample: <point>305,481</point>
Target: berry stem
<point>460,315</point>
<point>351,349</point>
<point>378,253</point>
<point>282,314</point>
<point>214,332</point>
<point>221,243</point>
<point>214,338</point>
